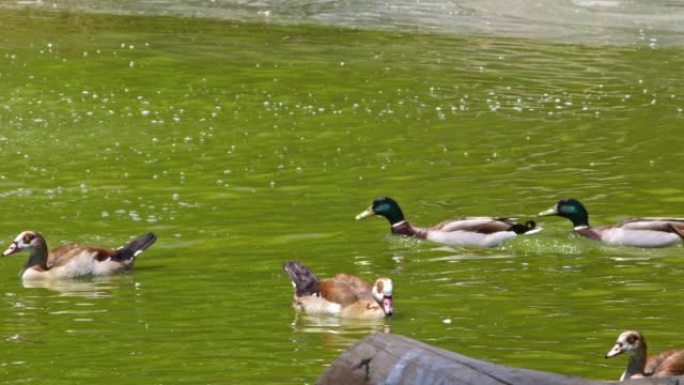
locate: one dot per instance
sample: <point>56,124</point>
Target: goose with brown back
<point>343,295</point>
<point>72,260</point>
<point>632,343</point>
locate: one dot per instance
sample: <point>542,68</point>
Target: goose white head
<point>629,342</point>
<point>382,293</point>
<point>23,241</point>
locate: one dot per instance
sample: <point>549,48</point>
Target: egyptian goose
<point>72,261</point>
<point>343,295</point>
<point>638,232</point>
<point>468,231</point>
<point>667,363</point>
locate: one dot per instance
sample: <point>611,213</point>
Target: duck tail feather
<point>305,282</point>
<point>677,230</point>
<point>134,248</point>
<point>529,227</point>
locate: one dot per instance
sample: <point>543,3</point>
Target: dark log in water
<point>395,360</point>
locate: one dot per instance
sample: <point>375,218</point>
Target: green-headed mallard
<point>639,232</point>
<point>469,231</point>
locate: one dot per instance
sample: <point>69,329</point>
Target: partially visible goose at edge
<point>633,344</point>
<point>72,260</point>
<point>639,232</point>
<point>343,295</point>
<point>468,231</point>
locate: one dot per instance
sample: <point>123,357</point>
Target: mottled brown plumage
<point>59,255</point>
<point>667,363</point>
<point>345,289</point>
<point>343,295</point>
<point>73,260</point>
<point>633,343</point>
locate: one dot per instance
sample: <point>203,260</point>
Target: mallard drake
<point>469,231</point>
<point>72,261</point>
<point>639,232</point>
<point>343,295</point>
<point>668,363</point>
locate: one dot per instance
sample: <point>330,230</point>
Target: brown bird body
<point>343,295</point>
<point>73,260</point>
<point>667,363</point>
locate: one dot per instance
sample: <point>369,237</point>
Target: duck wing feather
<point>61,255</point>
<point>653,223</point>
<point>345,289</point>
<point>667,363</point>
<point>485,225</point>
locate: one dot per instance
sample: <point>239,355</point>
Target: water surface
<point>243,145</point>
<point>606,22</point>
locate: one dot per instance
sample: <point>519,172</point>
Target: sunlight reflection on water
<point>652,23</point>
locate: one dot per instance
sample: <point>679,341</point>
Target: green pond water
<point>245,145</point>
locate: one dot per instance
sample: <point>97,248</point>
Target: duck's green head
<point>386,207</point>
<point>572,209</point>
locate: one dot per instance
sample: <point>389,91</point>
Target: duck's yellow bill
<point>552,211</point>
<point>365,213</point>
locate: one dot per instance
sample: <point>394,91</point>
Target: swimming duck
<point>668,363</point>
<point>639,232</point>
<point>469,231</point>
<point>343,295</point>
<point>71,260</point>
